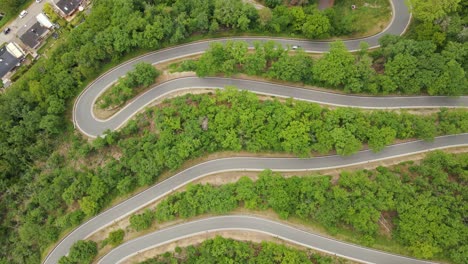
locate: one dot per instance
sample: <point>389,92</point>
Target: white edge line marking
<point>243,170</point>
<point>240,169</point>
<point>255,230</point>
<point>76,125</point>
<point>214,40</point>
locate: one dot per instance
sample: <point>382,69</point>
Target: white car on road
<point>23,13</point>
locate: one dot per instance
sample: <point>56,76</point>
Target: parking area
<point>32,11</point>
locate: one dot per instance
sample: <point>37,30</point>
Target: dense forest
<point>431,59</point>
<point>224,250</point>
<point>81,178</point>
<point>40,157</point>
<point>423,206</point>
<point>32,120</point>
<point>401,65</point>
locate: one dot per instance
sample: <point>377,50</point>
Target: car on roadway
<point>6,30</point>
<point>295,47</point>
<point>23,14</point>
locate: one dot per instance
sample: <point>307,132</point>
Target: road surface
<point>255,224</point>
<point>33,10</point>
<point>88,124</point>
<point>191,174</point>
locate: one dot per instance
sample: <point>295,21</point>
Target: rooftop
<point>32,36</point>
<point>68,6</point>
<point>7,61</point>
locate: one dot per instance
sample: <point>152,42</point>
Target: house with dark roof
<point>67,7</point>
<point>34,35</point>
<point>10,57</point>
<point>35,31</point>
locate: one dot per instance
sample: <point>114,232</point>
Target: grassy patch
<point>127,87</point>
<point>369,17</point>
<point>8,17</point>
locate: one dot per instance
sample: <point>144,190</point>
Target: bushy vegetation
<point>32,120</point>
<point>301,18</point>
<point>142,76</point>
<point>406,66</point>
<point>141,221</point>
<point>224,250</point>
<point>115,237</point>
<point>88,176</point>
<point>423,205</point>
<point>82,252</point>
<point>432,60</point>
<point>38,196</point>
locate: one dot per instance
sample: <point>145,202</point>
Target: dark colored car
<point>6,30</point>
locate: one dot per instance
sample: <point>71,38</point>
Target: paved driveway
<point>33,10</point>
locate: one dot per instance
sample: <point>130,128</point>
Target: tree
<point>298,17</point>
<point>336,66</point>
<point>403,70</point>
<point>255,63</point>
<point>430,31</point>
<point>296,138</point>
<point>89,206</point>
<point>316,25</point>
<point>345,142</point>
<point>116,237</point>
<point>294,68</point>
<point>52,124</point>
<point>82,252</point>
<point>428,11</point>
<point>452,80</point>
<point>379,138</point>
<point>265,16</point>
<point>142,221</point>
<point>143,74</point>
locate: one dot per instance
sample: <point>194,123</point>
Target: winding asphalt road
<point>246,164</point>
<point>255,224</point>
<point>86,122</point>
<point>90,125</point>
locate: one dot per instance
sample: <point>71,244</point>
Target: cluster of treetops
<point>417,206</point>
<point>216,250</point>
<point>422,206</point>
<point>78,182</point>
<point>33,120</point>
<point>225,250</point>
<point>400,66</point>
